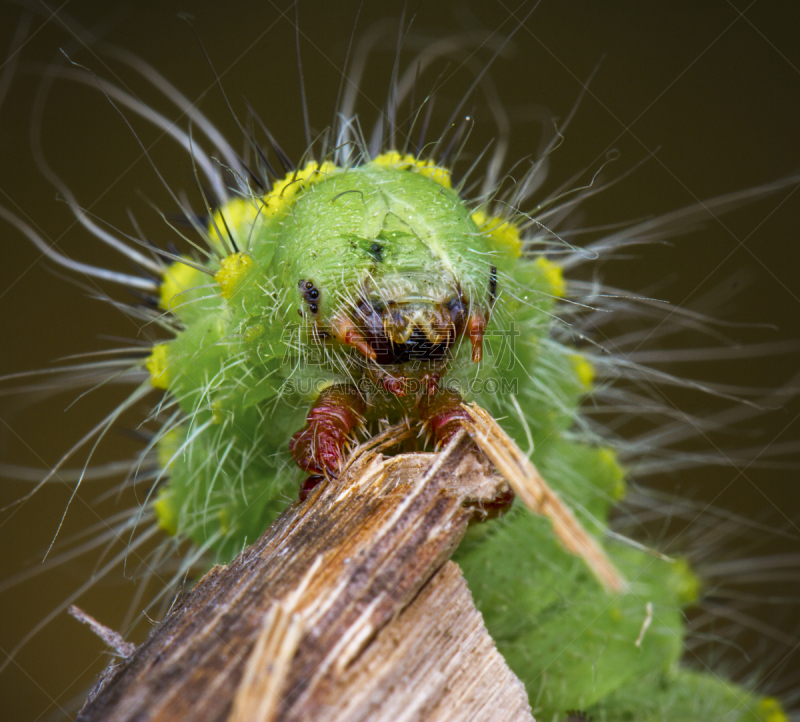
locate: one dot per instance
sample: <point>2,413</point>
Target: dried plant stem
<point>518,470</point>
<point>348,593</point>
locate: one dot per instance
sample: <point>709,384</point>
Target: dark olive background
<point>712,93</point>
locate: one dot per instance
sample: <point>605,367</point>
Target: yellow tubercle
<point>166,447</point>
<point>218,412</point>
<point>554,275</point>
<point>770,710</point>
<point>583,370</point>
<point>242,218</point>
<point>165,512</point>
<point>504,233</point>
<point>427,168</point>
<point>236,217</point>
<point>158,366</point>
<point>224,521</point>
<point>283,192</point>
<point>608,458</point>
<point>178,278</point>
<point>233,269</point>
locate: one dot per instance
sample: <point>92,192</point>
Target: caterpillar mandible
<point>410,282</point>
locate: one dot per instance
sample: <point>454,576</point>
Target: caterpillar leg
<point>318,447</point>
<point>442,413</point>
<point>308,485</point>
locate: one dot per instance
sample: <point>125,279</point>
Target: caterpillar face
<point>400,274</point>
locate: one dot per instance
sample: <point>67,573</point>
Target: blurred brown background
<point>711,89</point>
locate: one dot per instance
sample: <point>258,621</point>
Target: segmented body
<point>315,306</point>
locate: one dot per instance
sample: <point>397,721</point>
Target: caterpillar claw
<point>442,415</point>
<point>431,382</point>
<point>318,448</point>
<point>309,485</point>
<point>498,506</point>
<point>396,386</point>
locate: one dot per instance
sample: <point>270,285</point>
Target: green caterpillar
<point>284,319</point>
<point>369,274</point>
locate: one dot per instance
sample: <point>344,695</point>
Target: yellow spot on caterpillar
<point>224,521</point>
<point>158,366</point>
<point>611,467</point>
<point>770,710</point>
<point>237,217</point>
<point>233,269</point>
<point>504,233</point>
<point>166,512</point>
<point>166,448</point>
<point>178,278</point>
<point>283,192</point>
<point>219,412</point>
<point>583,370</point>
<point>428,168</point>
<point>554,276</point>
<point>243,218</point>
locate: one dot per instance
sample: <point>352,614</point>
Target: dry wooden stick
<point>344,610</point>
<point>518,470</point>
<point>113,639</point>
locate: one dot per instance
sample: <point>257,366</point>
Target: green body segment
<point>253,353</point>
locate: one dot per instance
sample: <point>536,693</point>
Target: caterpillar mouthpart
<point>418,330</point>
<point>346,332</point>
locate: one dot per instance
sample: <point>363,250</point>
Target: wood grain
<point>343,610</point>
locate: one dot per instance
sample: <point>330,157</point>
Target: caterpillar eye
<point>310,293</point>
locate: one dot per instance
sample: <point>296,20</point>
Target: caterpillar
<point>228,312</point>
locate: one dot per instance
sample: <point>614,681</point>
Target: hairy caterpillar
<point>161,231</point>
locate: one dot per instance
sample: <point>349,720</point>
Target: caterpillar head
<point>399,272</point>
